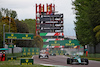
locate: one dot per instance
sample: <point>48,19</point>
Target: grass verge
<point>91,58</point>
<point>95,57</point>
<point>16,63</point>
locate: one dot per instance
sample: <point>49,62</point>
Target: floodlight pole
<point>3,35</point>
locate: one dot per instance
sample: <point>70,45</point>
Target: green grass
<point>91,58</point>
<point>16,63</point>
<point>95,57</point>
<point>15,54</point>
<point>92,55</point>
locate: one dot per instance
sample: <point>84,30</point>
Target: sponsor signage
<point>22,36</point>
<point>30,51</point>
<point>26,61</point>
<point>10,46</point>
<point>10,58</point>
<point>57,52</point>
<point>64,43</point>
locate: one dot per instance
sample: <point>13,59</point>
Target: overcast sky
<point>26,10</point>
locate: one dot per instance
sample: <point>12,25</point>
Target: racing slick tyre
<point>87,62</point>
<point>71,62</point>
<point>54,54</point>
<point>47,56</point>
<point>39,56</point>
<point>82,60</point>
<point>68,60</point>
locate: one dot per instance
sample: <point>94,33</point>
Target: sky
<point>26,10</point>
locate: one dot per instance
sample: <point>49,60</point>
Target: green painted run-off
<point>44,40</point>
<point>43,34</point>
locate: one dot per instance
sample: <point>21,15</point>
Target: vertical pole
<point>43,7</point>
<point>9,23</point>
<point>3,35</point>
<point>9,29</point>
<point>12,44</point>
<point>36,22</point>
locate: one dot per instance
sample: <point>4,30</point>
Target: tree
<point>97,30</point>
<point>38,41</point>
<point>87,18</point>
<point>1,32</point>
<point>0,15</point>
<point>23,28</point>
<point>4,12</point>
<point>13,28</point>
<point>31,25</point>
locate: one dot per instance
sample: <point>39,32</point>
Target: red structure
<point>2,57</point>
<point>39,10</point>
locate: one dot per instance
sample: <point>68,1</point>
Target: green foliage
<point>31,25</point>
<point>13,27</point>
<point>23,28</point>
<point>6,22</point>
<point>87,18</point>
<point>38,41</point>
<point>97,30</point>
<point>4,12</point>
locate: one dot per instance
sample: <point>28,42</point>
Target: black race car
<point>52,54</point>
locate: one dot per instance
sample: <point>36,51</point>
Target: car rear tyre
<point>87,62</point>
<point>47,56</point>
<point>68,60</point>
<point>39,56</point>
<point>71,62</point>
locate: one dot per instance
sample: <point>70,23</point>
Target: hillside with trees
<point>10,17</point>
<point>31,25</point>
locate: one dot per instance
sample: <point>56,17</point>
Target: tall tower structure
<point>49,25</point>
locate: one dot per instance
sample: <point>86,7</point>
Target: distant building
<point>70,37</point>
<point>49,25</point>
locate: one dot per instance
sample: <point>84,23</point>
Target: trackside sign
<point>26,61</point>
<point>22,36</point>
<point>64,43</point>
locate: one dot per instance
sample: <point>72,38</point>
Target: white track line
<point>54,65</point>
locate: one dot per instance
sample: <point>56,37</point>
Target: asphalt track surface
<point>60,60</point>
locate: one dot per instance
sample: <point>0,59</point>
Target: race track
<point>60,60</point>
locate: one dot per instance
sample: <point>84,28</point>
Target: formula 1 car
<point>52,54</point>
<point>66,54</point>
<point>77,60</point>
<point>43,56</point>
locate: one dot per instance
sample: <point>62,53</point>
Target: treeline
<point>87,22</point>
<point>24,26</point>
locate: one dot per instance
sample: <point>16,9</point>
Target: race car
<point>66,54</point>
<point>43,55</point>
<point>77,60</point>
<point>52,54</point>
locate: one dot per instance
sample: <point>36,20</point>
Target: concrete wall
<point>15,49</point>
<point>91,49</point>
